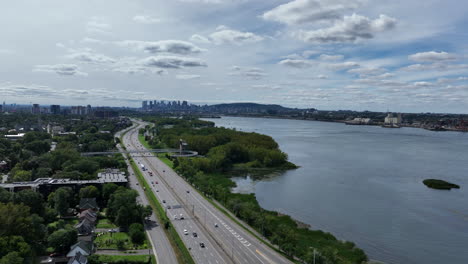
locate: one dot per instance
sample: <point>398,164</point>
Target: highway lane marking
<point>265,257</point>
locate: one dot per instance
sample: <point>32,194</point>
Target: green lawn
<point>163,158</point>
<point>109,241</point>
<point>105,223</point>
<point>129,259</point>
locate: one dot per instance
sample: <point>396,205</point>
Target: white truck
<point>142,167</point>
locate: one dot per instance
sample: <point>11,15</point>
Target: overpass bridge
<point>174,152</point>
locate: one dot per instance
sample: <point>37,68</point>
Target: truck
<point>142,167</point>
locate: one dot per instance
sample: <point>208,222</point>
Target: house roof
<point>84,227</point>
<point>89,215</point>
<point>86,246</point>
<point>88,203</point>
<point>78,258</point>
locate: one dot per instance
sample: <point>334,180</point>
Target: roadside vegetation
<point>224,149</point>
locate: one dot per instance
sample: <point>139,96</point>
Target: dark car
<point>195,234</point>
<point>188,191</point>
<point>164,201</point>
<point>202,245</point>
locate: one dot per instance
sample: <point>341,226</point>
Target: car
<point>194,234</point>
<point>181,217</point>
<point>156,182</point>
<point>202,245</point>
<point>168,207</point>
<point>188,191</point>
<point>56,255</point>
<point>164,171</point>
<point>164,201</point>
<point>185,232</point>
<point>137,183</point>
<point>152,182</point>
<point>157,190</point>
<point>175,217</point>
<point>216,225</point>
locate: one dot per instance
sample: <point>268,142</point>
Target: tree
<point>62,239</point>
<point>12,258</point>
<point>15,219</point>
<point>33,199</point>
<point>38,146</point>
<point>62,200</point>
<point>89,192</point>
<point>22,175</point>
<point>136,233</point>
<point>107,190</point>
<point>14,244</point>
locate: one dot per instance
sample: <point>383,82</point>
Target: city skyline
<point>334,54</point>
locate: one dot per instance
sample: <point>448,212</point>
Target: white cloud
<point>199,39</point>
<point>98,25</point>
<point>171,62</point>
<point>363,71</point>
<point>321,76</point>
<point>296,63</point>
<point>432,56</point>
<point>343,65</point>
<point>350,29</point>
<point>163,46</point>
<point>60,69</point>
<point>225,35</point>
<point>249,73</point>
<point>187,76</point>
<point>326,57</point>
<point>307,11</point>
<point>143,19</point>
<point>89,57</point>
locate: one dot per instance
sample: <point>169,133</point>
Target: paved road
<point>239,245</point>
<point>159,241</point>
<point>211,253</point>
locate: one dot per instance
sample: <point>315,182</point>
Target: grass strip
<point>125,258</point>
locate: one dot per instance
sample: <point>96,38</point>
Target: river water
<point>364,184</point>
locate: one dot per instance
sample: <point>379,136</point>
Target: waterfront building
<point>390,119</point>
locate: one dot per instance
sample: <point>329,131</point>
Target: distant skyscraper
<point>144,105</point>
<point>55,109</point>
<point>36,109</point>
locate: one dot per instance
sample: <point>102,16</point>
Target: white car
<point>185,232</point>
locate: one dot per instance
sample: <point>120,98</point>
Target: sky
<point>399,55</point>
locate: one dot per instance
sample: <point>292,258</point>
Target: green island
<point>440,184</point>
<point>222,150</point>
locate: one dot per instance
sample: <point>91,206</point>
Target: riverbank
<point>377,124</point>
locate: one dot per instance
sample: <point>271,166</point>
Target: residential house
<point>84,228</point>
<point>84,248</point>
<point>89,215</point>
<point>88,203</point>
<point>78,259</point>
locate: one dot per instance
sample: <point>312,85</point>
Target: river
<point>364,184</point>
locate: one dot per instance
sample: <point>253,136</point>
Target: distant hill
<point>240,108</point>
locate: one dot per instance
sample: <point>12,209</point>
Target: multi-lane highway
<point>225,241</point>
<point>202,247</point>
<point>160,243</point>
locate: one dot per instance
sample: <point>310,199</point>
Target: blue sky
<point>407,56</point>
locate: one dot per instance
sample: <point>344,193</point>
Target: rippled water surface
<point>364,184</point>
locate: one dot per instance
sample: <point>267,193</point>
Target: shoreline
<point>337,121</point>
